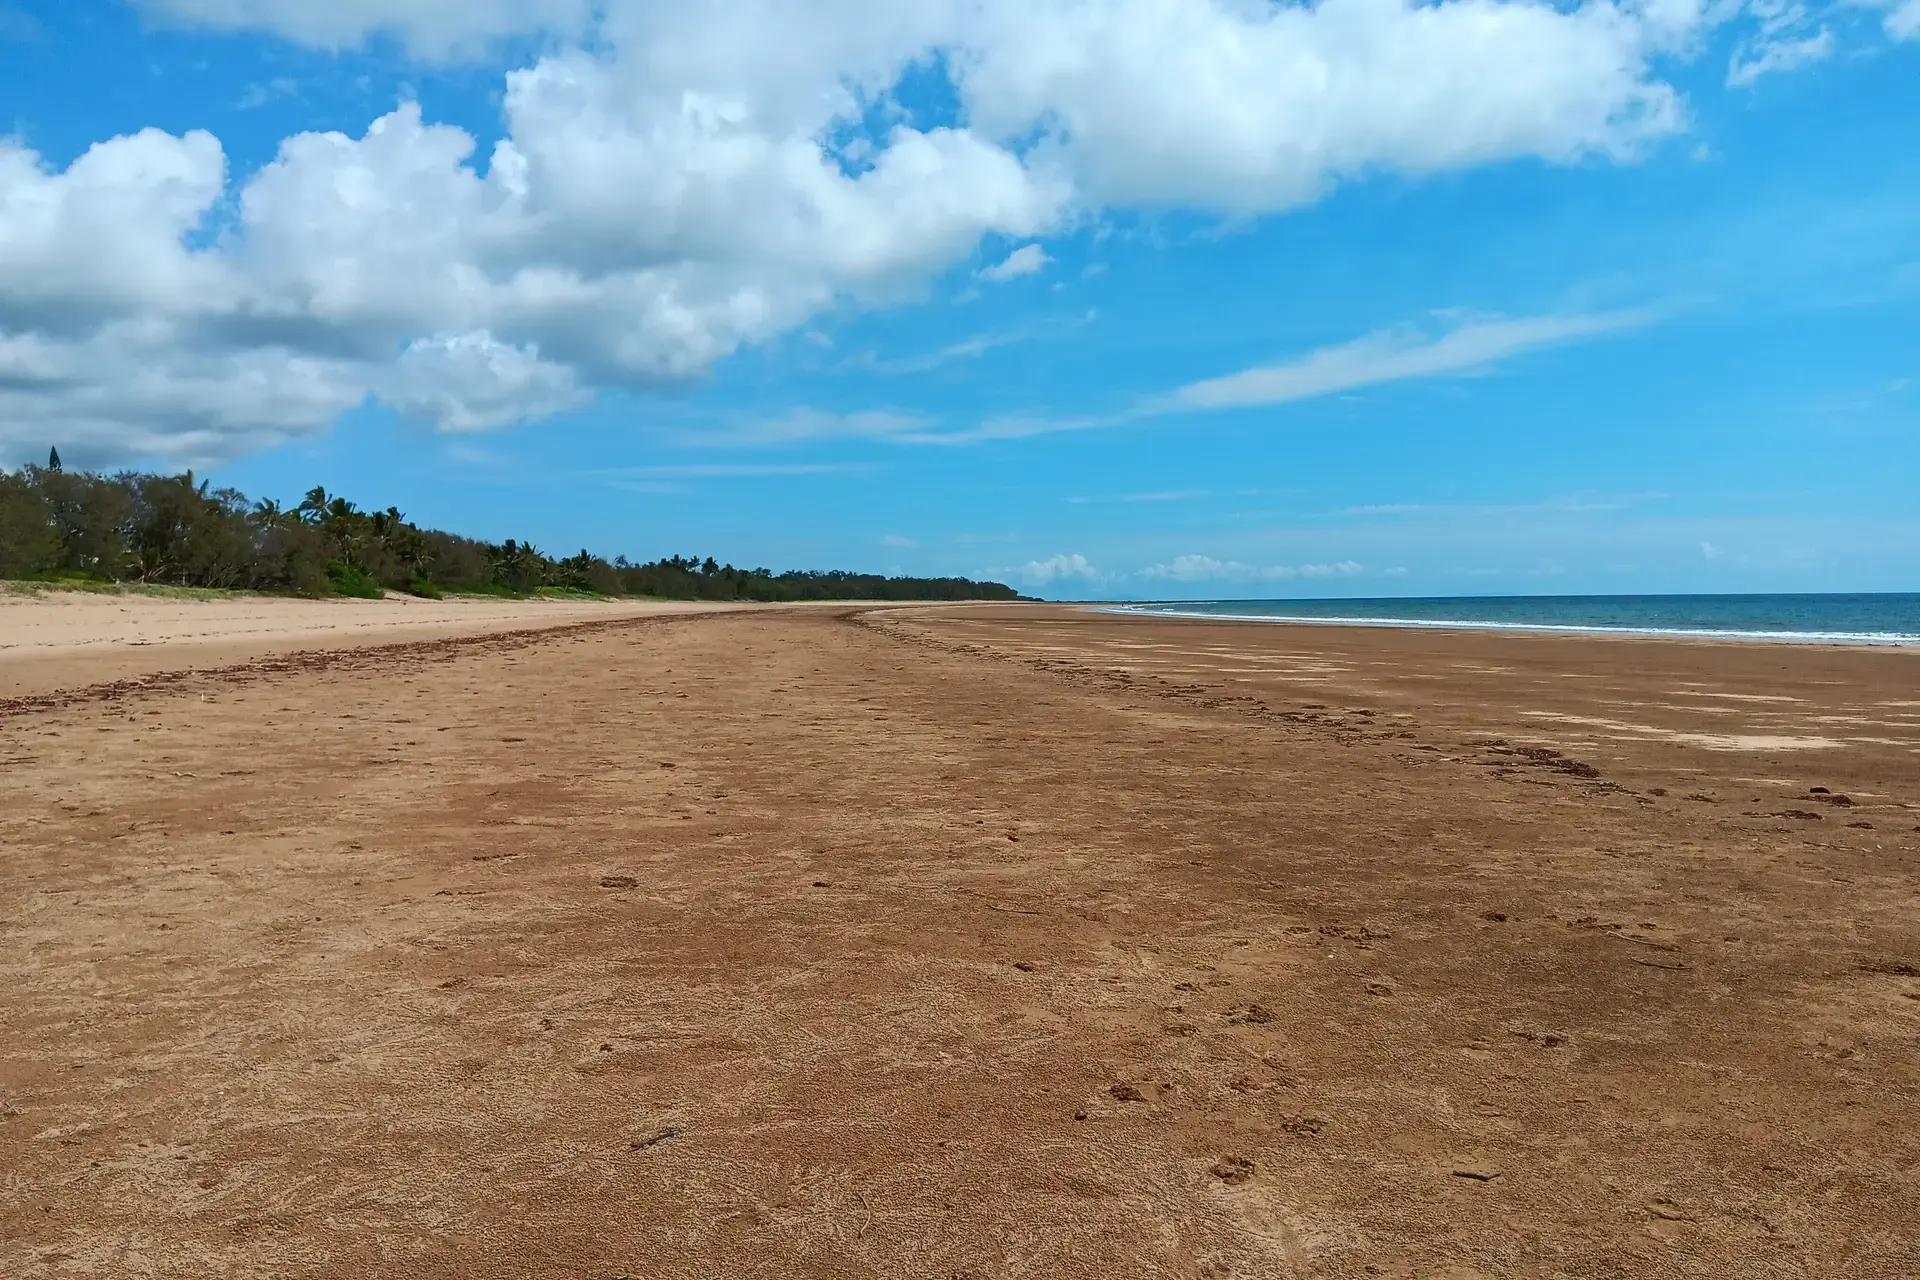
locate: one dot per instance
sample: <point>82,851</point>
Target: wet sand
<point>983,941</point>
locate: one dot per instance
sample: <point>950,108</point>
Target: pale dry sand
<point>990,942</point>
<point>52,639</point>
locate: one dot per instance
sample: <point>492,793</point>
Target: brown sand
<point>968,942</point>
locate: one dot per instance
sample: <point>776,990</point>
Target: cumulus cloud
<point>138,387</point>
<point>1903,20</point>
<point>1262,107</point>
<point>675,182</point>
<point>469,381</point>
<point>1025,261</point>
<point>1053,569</point>
<point>105,238</point>
<point>1198,568</point>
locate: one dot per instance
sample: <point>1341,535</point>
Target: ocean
<point>1830,619</point>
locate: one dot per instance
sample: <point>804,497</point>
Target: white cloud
<point>702,180</point>
<point>1053,569</point>
<point>1251,107</point>
<point>1028,259</point>
<point>477,299</point>
<point>1393,356</point>
<point>468,382</point>
<point>1747,66</point>
<point>1198,568</point>
<point>104,239</point>
<point>1903,21</point>
<point>136,387</point>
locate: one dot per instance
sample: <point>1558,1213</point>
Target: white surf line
<point>1884,638</point>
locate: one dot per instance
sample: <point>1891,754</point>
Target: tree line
<point>178,531</point>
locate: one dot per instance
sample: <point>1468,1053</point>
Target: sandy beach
<point>948,941</point>
<point>51,640</point>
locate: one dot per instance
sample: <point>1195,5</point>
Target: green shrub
<point>29,544</point>
<point>499,589</point>
<point>421,585</point>
<point>349,581</point>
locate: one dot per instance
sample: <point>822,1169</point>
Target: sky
<point>1127,299</point>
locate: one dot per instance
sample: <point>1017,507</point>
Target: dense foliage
<point>175,531</point>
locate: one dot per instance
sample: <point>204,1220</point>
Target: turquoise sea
<point>1829,619</point>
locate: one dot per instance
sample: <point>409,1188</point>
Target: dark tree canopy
<point>178,531</point>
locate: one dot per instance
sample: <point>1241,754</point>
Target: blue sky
<point>1136,299</point>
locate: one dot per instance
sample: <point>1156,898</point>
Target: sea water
<point>1824,618</point>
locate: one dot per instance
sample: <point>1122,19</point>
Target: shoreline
<point>1840,639</point>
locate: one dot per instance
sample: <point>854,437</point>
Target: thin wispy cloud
<point>1574,502</point>
<point>474,455</point>
<point>654,487</point>
<point>1198,568</point>
<point>1395,355</point>
<point>966,349</point>
<point>1746,67</point>
<point>804,425</point>
<point>970,348</point>
<point>712,471</point>
<point>20,27</point>
<point>1169,495</point>
<point>258,95</point>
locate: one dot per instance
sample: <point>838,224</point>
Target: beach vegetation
<point>141,530</point>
